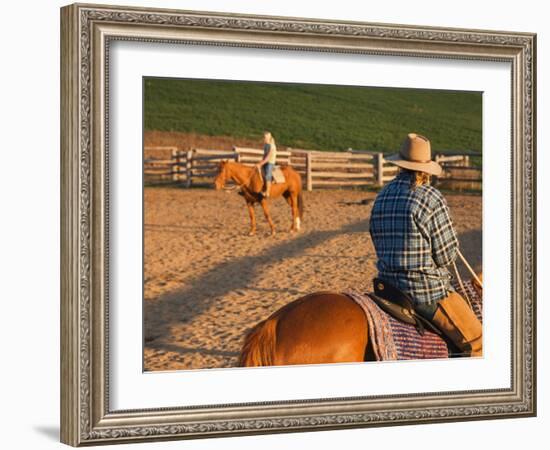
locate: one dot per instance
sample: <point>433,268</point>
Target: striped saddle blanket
<point>394,340</point>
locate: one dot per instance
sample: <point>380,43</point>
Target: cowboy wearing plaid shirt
<point>415,242</point>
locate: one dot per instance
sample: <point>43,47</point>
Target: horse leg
<point>289,200</point>
<point>263,202</point>
<point>286,195</point>
<point>295,213</point>
<point>252,231</point>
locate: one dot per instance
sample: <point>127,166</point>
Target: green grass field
<point>315,116</point>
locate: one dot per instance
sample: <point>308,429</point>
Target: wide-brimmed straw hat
<point>416,154</point>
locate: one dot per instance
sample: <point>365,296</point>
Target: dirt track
<point>207,282</point>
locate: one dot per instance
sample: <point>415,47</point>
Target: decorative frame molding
<point>86,32</point>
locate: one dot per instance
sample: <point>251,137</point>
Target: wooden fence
<point>340,169</point>
<point>458,172</point>
<point>251,156</point>
<point>320,169</point>
<point>160,165</point>
<point>352,168</point>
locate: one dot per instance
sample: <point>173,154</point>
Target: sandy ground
<point>207,282</point>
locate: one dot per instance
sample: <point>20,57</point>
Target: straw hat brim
<point>430,167</point>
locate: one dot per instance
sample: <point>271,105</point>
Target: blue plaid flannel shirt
<point>414,239</point>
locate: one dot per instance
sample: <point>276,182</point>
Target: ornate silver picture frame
<point>87,32</point>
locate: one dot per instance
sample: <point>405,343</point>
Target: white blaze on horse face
<point>298,222</point>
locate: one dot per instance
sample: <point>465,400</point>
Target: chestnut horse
<point>250,181</point>
<point>319,328</point>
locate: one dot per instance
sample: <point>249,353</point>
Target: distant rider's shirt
<point>273,156</point>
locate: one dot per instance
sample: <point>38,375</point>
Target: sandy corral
<point>207,282</point>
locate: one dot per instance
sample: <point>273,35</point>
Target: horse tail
<point>259,345</point>
<point>301,205</point>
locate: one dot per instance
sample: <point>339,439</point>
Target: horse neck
<point>240,174</point>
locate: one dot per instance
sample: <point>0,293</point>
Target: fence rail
<point>352,168</point>
<point>458,172</point>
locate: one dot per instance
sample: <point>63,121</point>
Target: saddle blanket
<point>278,175</point>
<point>394,340</point>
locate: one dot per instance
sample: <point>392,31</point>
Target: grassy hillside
<point>314,116</point>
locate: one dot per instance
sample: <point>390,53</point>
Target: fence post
<point>309,178</point>
<point>437,159</point>
<point>237,154</point>
<point>175,167</point>
<point>188,168</point>
<point>379,169</point>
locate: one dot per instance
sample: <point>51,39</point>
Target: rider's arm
<point>443,235</point>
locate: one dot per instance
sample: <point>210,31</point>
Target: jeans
<point>426,310</point>
<point>267,169</point>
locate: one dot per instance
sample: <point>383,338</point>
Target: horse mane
<point>256,182</point>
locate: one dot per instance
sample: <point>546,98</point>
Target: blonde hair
<point>270,138</point>
<point>418,178</point>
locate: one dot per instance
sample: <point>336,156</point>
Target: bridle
<point>239,185</point>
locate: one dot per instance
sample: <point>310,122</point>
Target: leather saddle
<point>400,306</point>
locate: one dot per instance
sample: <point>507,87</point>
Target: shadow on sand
<point>181,306</point>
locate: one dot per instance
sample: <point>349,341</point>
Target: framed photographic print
<point>276,224</point>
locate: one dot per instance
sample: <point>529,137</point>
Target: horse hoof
<point>251,233</point>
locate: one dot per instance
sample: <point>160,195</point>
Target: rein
<point>461,284</point>
<point>459,278</point>
<point>470,268</point>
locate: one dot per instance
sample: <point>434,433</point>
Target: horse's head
<point>222,177</point>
